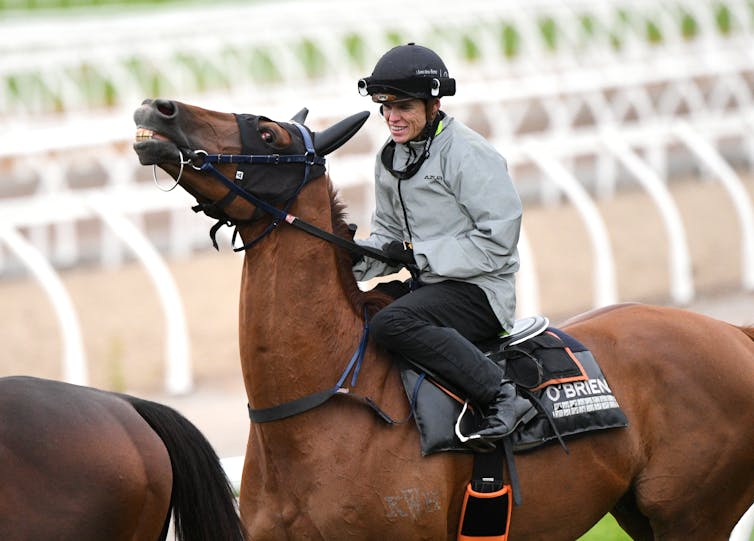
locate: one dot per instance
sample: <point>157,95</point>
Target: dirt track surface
<point>124,327</point>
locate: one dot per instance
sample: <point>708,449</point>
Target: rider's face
<point>405,119</point>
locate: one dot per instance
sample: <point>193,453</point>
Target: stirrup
<point>459,435</point>
<point>473,439</point>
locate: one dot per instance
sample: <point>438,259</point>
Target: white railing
<point>178,378</point>
<point>73,359</point>
<point>111,209</point>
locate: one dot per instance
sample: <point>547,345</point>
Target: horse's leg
<point>150,513</point>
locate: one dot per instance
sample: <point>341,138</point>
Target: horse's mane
<point>372,300</point>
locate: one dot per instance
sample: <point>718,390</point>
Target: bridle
<point>201,160</point>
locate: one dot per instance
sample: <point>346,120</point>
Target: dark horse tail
<point>203,502</point>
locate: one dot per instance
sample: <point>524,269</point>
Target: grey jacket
<point>462,215</point>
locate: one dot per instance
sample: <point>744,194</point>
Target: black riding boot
<point>506,411</point>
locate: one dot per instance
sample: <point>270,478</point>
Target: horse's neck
<point>297,328</point>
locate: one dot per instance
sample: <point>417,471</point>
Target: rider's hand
<point>400,252</point>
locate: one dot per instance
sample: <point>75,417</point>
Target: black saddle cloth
<point>553,369</point>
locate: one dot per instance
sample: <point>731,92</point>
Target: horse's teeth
<point>142,134</point>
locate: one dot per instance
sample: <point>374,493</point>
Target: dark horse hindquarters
<point>83,464</point>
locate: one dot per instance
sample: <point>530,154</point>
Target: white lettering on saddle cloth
<point>580,397</point>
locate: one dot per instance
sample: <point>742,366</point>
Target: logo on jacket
<point>433,178</point>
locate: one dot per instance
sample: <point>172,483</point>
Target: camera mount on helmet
<point>406,72</point>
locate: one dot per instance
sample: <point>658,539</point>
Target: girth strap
<point>487,506</point>
<point>487,475</point>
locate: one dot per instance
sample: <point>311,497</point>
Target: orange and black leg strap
<point>487,504</point>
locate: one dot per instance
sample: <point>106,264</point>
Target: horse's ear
<point>300,117</point>
<point>336,135</point>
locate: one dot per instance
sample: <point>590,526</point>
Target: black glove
<point>356,257</point>
<point>400,252</point>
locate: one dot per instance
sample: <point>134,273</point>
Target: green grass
<point>608,530</point>
<point>605,530</point>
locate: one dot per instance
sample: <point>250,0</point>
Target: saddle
<point>552,369</point>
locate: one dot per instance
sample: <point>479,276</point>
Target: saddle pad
<point>575,407</point>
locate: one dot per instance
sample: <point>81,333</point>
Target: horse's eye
<point>268,136</point>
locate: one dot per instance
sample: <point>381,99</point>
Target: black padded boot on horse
<point>503,415</point>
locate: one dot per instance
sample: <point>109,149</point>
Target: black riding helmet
<point>408,71</point>
<point>403,73</point>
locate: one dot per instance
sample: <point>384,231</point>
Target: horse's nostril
<point>166,107</point>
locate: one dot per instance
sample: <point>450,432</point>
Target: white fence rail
<point>73,358</point>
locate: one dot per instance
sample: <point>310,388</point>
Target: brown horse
<point>81,464</point>
<point>682,470</point>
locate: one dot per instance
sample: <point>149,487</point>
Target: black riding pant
<point>433,327</point>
